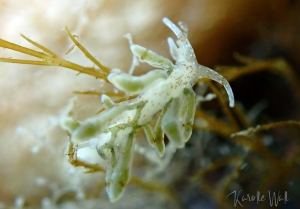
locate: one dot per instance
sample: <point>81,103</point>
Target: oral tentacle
<point>209,73</point>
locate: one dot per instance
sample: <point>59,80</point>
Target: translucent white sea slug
<point>167,91</point>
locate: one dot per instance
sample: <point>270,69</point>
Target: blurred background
<point>34,170</point>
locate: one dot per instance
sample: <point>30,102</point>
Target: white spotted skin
<point>158,96</point>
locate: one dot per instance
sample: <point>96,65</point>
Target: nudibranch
<point>166,91</point>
